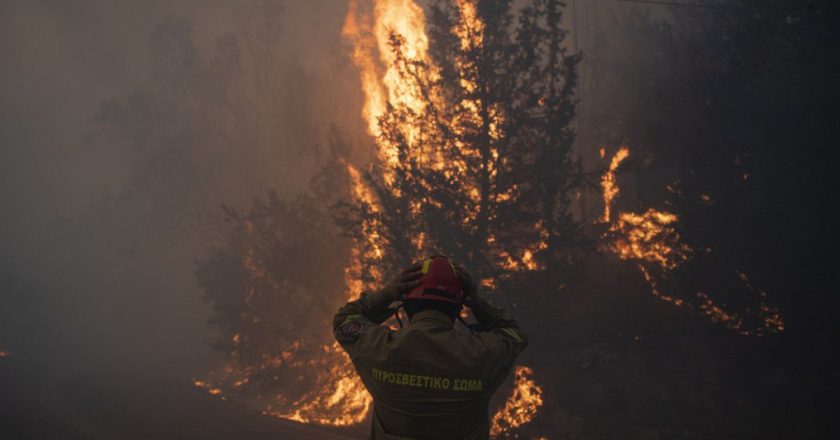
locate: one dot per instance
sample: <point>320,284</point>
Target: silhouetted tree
<point>278,278</point>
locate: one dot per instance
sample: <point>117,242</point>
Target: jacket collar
<point>431,318</point>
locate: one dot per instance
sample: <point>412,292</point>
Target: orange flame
<point>342,400</point>
<point>649,237</point>
<point>608,183</point>
<point>522,405</point>
<point>370,32</point>
<point>339,397</point>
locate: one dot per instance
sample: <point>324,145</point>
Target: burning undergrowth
<point>274,288</point>
<point>673,269</point>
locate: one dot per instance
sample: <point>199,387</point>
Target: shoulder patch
<point>350,328</point>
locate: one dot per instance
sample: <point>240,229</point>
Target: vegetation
<point>479,164</point>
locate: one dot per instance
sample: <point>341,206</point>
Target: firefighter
<point>431,379</point>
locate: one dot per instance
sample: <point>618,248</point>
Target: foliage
<point>277,279</point>
<point>480,165</point>
<point>274,282</point>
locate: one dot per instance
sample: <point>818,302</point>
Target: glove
<point>401,284</point>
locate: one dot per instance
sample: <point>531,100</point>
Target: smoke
<point>100,227</point>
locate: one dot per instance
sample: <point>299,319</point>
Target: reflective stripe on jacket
<point>429,380</point>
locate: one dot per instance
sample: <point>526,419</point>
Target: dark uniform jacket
<point>428,380</point>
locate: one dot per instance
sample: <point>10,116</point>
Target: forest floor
<point>43,401</point>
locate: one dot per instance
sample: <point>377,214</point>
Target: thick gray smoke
<point>123,127</point>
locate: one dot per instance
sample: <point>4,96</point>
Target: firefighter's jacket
<point>428,380</point>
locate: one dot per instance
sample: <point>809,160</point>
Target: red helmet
<point>439,282</point>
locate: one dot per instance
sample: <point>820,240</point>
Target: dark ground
<point>42,401</point>
<point>618,363</point>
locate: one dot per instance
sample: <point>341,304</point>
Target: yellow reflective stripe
<point>427,264</point>
<point>512,333</point>
<point>353,317</point>
<point>429,382</point>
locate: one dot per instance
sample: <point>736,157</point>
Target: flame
<point>525,260</point>
<point>470,28</point>
<point>649,237</point>
<point>651,240</point>
<point>372,237</point>
<point>608,183</point>
<point>342,400</point>
<point>390,49</point>
<point>5,354</point>
<point>336,397</point>
<point>522,405</point>
<point>373,34</point>
<point>771,319</point>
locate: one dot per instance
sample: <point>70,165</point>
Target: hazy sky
<point>61,59</point>
<point>113,294</point>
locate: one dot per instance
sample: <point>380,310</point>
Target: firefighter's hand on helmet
<point>468,284</point>
<point>402,283</point>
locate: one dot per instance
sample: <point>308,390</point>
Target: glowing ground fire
<point>651,240</point>
<point>522,405</point>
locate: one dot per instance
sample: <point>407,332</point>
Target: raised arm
<point>499,332</point>
<point>358,321</point>
<point>489,317</point>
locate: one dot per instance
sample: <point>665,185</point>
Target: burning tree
<point>473,135</point>
<point>472,122</point>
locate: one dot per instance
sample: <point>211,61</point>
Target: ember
<point>608,184</point>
